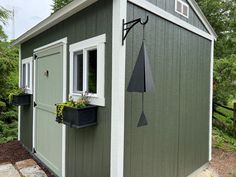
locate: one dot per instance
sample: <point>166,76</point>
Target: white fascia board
<point>173,19</point>
<point>62,14</point>
<point>202,17</point>
<point>118,90</point>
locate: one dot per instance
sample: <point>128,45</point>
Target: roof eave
<point>203,18</point>
<point>62,14</point>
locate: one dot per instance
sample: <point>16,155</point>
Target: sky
<point>28,13</point>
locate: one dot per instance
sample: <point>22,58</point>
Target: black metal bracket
<point>35,104</point>
<point>126,27</point>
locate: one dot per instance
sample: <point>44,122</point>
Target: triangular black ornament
<point>141,79</point>
<point>142,120</point>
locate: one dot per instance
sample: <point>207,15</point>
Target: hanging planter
<point>77,114</point>
<point>20,98</point>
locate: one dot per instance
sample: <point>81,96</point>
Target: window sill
<point>93,98</point>
<point>29,91</point>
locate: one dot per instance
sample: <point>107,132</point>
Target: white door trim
<point>64,96</point>
<point>118,90</point>
<point>173,19</point>
<point>19,107</point>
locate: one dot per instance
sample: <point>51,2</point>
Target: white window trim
<point>182,3</point>
<point>30,62</point>
<point>98,43</point>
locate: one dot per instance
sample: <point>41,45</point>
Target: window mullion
<point>85,71</point>
<point>26,74</point>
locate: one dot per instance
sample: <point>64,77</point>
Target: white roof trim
<point>62,14</point>
<point>202,17</point>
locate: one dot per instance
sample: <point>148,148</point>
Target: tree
<point>221,15</point>
<point>58,4</point>
<point>4,15</point>
<point>8,82</point>
<point>224,80</point>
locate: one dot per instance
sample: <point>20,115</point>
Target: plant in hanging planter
<point>77,114</point>
<point>19,97</point>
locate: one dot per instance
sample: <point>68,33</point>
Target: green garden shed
<point>92,46</point>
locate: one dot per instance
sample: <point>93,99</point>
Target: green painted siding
<point>169,6</point>
<point>26,125</point>
<point>88,150</point>
<point>175,142</point>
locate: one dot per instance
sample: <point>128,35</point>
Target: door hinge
<point>35,104</point>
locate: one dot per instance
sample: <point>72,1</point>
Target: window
<point>26,81</point>
<point>87,62</point>
<point>182,8</point>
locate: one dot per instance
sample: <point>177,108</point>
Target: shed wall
<point>175,142</point>
<point>169,6</point>
<point>87,150</point>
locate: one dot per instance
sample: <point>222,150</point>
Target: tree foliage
<point>8,82</point>
<point>58,4</point>
<point>222,16</point>
<point>4,15</point>
<point>224,79</point>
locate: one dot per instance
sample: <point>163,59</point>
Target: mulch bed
<point>14,151</point>
<point>224,162</point>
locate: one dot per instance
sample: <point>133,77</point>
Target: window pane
<point>179,6</point>
<point>92,71</point>
<point>24,75</point>
<point>28,78</point>
<point>185,10</point>
<point>78,72</point>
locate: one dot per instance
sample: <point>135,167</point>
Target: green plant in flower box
<point>80,103</point>
<point>16,92</point>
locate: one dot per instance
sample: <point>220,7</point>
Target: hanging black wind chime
<point>141,80</point>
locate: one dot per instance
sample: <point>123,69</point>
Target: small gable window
<point>182,8</point>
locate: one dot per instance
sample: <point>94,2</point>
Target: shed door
<point>48,91</point>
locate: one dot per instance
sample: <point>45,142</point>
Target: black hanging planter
<point>21,100</point>
<point>78,117</point>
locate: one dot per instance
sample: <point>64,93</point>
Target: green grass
<point>223,140</point>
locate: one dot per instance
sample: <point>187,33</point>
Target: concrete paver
<point>208,173</point>
<point>27,168</point>
<point>8,170</point>
<point>33,171</point>
<point>25,163</point>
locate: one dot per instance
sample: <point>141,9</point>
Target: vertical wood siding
<point>169,6</point>
<point>175,142</point>
<point>26,125</point>
<point>87,150</point>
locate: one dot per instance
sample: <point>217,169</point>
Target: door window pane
<point>78,72</point>
<point>92,71</point>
